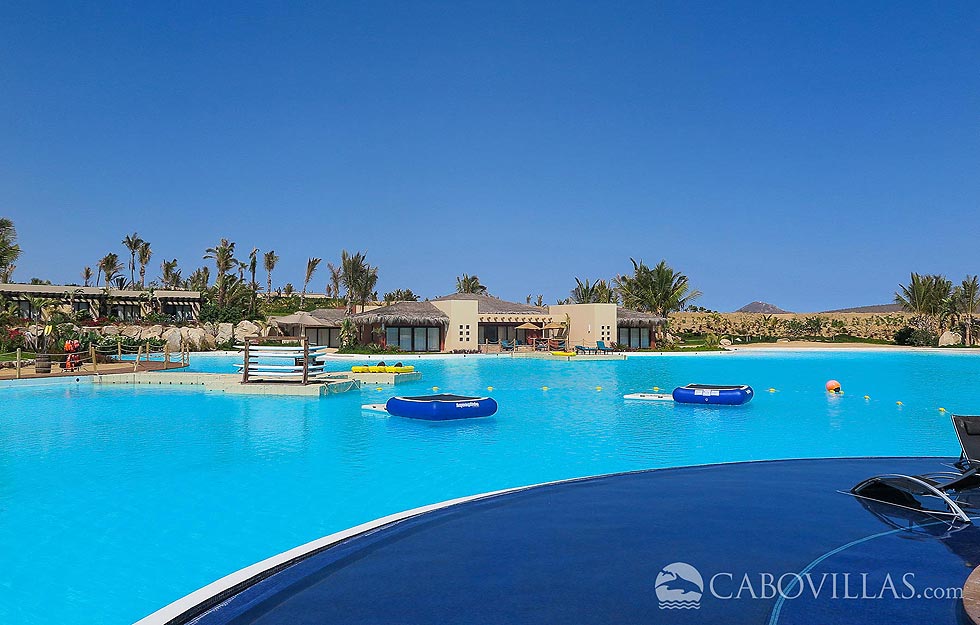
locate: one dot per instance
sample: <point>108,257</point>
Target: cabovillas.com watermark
<point>680,586</point>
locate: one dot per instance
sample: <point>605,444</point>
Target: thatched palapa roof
<point>637,318</point>
<point>331,316</point>
<point>403,314</point>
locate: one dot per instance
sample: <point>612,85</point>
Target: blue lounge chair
<point>506,345</point>
<point>601,346</point>
<point>584,350</point>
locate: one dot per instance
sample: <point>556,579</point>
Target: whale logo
<point>679,586</point>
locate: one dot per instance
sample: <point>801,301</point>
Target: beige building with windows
<point>124,305</point>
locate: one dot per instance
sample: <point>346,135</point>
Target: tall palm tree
<point>336,277</point>
<point>253,265</point>
<point>269,260</point>
<point>660,289</point>
<point>199,279</point>
<point>358,277</point>
<point>110,267</point>
<point>470,284</point>
<point>170,275</point>
<point>223,255</point>
<point>9,250</point>
<point>924,295</point>
<point>598,292</point>
<point>132,243</point>
<point>969,300</point>
<point>144,253</point>
<point>87,275</point>
<point>311,266</point>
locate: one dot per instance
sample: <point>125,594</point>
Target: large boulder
<point>197,338</point>
<point>207,341</point>
<point>246,328</point>
<point>210,327</point>
<point>152,332</point>
<point>172,337</point>
<point>110,330</point>
<point>226,332</point>
<point>950,338</point>
<point>131,332</point>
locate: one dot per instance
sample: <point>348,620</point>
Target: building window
<point>183,312</point>
<point>637,338</point>
<point>413,339</point>
<point>324,336</point>
<point>127,312</point>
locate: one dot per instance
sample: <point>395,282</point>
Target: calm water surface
<point>117,500</point>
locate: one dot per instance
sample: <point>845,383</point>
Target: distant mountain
<point>877,308</point>
<point>762,307</point>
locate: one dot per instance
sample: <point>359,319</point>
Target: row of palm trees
<point>938,301</point>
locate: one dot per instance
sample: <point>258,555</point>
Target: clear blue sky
<point>810,154</point>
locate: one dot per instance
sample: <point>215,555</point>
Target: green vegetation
<point>470,284</point>
<point>938,306</point>
<point>660,290</point>
<point>9,250</point>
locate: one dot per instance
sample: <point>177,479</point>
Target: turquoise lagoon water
<point>117,500</point>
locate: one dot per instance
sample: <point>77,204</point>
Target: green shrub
<point>916,337</point>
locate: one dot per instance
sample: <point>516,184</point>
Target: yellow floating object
<point>598,388</point>
<point>489,388</point>
<point>898,403</point>
<point>942,410</point>
<point>435,388</point>
<point>544,388</point>
<point>562,353</point>
<point>772,390</point>
<point>379,389</point>
<point>360,369</point>
<point>867,397</point>
<point>656,388</point>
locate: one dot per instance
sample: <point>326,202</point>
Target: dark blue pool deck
<point>590,551</point>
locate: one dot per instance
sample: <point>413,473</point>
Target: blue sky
<point>809,154</point>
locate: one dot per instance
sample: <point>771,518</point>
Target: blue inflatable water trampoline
<point>441,407</point>
<point>713,394</point>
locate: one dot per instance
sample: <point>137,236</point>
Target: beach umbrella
<point>528,326</point>
<point>302,319</point>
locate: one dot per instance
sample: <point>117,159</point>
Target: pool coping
<point>194,604</point>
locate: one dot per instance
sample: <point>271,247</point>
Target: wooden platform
<point>383,378</point>
<point>232,383</point>
<point>27,372</point>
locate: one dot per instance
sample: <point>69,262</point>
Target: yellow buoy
<point>544,388</point>
<point>942,410</point>
<point>435,388</point>
<point>656,388</point>
<point>598,388</point>
<point>772,390</point>
<point>867,397</point>
<point>379,389</point>
<point>898,403</point>
<point>489,388</point>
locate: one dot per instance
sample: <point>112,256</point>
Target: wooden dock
<point>232,383</point>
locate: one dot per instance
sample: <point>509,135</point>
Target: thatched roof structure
<point>331,316</point>
<point>403,314</point>
<point>637,318</point>
<point>489,305</point>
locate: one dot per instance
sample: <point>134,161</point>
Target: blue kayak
<point>713,394</point>
<point>441,407</point>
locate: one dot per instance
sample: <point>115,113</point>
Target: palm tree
<point>924,295</point>
<point>224,260</point>
<point>336,277</point>
<point>269,260</point>
<point>969,300</point>
<point>288,289</point>
<point>144,253</point>
<point>132,243</point>
<point>311,266</point>
<point>470,284</point>
<point>109,267</point>
<point>253,265</point>
<point>659,290</point>
<point>400,295</point>
<point>170,274</point>
<point>87,275</point>
<point>199,279</point>
<point>358,277</point>
<point>9,250</point>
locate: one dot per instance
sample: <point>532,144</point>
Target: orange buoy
<point>833,386</point>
